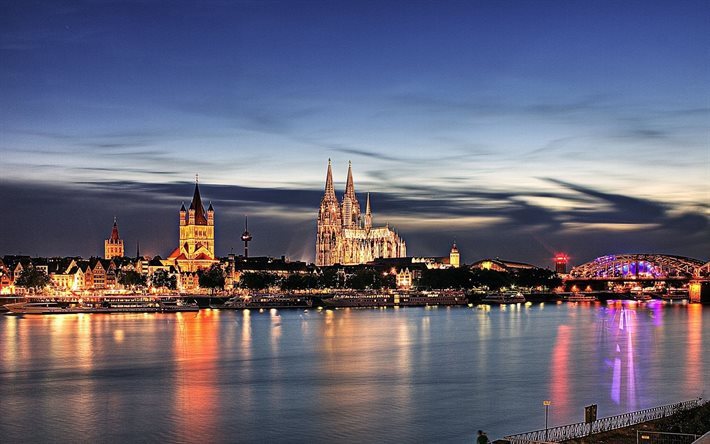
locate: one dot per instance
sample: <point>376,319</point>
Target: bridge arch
<point>641,266</point>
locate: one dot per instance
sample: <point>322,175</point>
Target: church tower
<point>454,258</point>
<point>329,224</point>
<point>196,250</point>
<point>113,246</point>
<point>350,206</point>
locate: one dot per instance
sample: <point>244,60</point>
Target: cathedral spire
<point>368,213</point>
<point>329,188</point>
<point>350,185</point>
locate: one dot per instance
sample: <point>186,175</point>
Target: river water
<point>368,375</point>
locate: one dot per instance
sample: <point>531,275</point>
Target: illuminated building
<point>561,263</point>
<point>454,257</point>
<point>347,237</point>
<point>196,248</point>
<point>502,265</point>
<point>404,279</point>
<point>113,246</point>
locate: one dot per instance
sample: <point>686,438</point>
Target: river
<point>367,375</point>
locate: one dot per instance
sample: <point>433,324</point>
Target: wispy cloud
<point>480,220</point>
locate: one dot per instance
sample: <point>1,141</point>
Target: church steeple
<point>350,205</point>
<point>368,213</point>
<point>114,231</point>
<point>113,246</point>
<point>196,209</point>
<point>350,185</point>
<point>329,188</point>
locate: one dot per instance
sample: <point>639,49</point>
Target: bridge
<point>642,270</point>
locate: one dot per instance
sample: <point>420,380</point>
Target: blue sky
<point>518,128</point>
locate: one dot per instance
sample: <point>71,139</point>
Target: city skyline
<point>517,130</point>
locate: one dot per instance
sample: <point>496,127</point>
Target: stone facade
<point>345,236</point>
<point>196,248</point>
<point>113,246</point>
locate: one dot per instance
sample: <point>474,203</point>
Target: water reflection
<point>560,371</point>
<point>195,354</point>
<point>406,375</point>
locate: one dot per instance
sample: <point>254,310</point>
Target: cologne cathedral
<point>346,237</point>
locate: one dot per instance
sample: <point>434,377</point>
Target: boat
<point>398,298</point>
<point>579,297</point>
<point>641,297</point>
<point>267,301</point>
<point>103,305</point>
<point>675,294</point>
<point>504,298</point>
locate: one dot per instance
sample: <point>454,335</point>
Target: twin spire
<point>349,185</point>
<point>350,207</point>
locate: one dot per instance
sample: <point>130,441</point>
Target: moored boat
<point>103,305</point>
<point>580,297</point>
<point>503,298</point>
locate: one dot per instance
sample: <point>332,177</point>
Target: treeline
<point>453,278</point>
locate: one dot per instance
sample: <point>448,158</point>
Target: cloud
<point>74,219</point>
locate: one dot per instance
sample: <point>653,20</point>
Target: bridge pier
<point>699,292</point>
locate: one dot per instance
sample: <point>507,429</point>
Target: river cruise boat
<point>401,298</point>
<point>122,304</point>
<point>675,294</point>
<point>503,298</point>
<point>267,301</point>
<point>580,297</point>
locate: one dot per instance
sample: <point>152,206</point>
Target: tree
<point>370,279</point>
<point>493,280</point>
<point>131,279</point>
<point>33,279</point>
<point>257,280</point>
<point>163,279</point>
<point>213,278</point>
<point>458,278</point>
<point>537,277</point>
<point>330,278</point>
<point>299,281</point>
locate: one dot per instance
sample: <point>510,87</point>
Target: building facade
<point>345,236</point>
<point>196,248</point>
<point>113,246</point>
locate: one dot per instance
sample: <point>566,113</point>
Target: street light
<point>547,407</point>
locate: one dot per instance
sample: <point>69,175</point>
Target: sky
<point>517,129</point>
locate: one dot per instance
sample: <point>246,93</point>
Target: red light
<point>561,258</point>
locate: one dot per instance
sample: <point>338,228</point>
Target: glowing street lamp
<point>546,403</point>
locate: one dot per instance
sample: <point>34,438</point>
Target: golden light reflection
<point>196,352</point>
<point>694,365</point>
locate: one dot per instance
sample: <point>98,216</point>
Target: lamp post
<point>546,403</point>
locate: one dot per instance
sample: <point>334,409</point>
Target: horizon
<point>517,130</point>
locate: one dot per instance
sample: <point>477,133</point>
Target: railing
<point>581,429</point>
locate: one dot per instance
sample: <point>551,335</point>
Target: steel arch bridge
<point>642,266</point>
